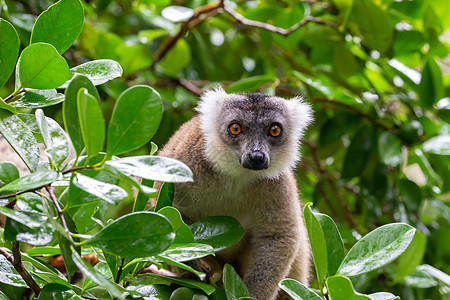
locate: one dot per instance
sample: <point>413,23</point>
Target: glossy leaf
<point>37,99</point>
<point>181,265</point>
<point>57,291</point>
<point>317,242</point>
<point>233,284</point>
<point>59,25</point>
<point>91,122</point>
<point>41,67</point>
<point>8,172</point>
<point>165,196</point>
<point>109,192</point>
<point>55,141</point>
<point>218,231</point>
<point>20,138</point>
<point>9,51</point>
<point>152,287</point>
<point>297,290</point>
<point>31,181</point>
<point>27,226</point>
<point>97,71</point>
<point>70,110</point>
<point>9,274</point>
<point>390,149</point>
<point>187,252</point>
<point>153,168</point>
<point>114,289</point>
<point>135,119</point>
<point>182,293</point>
<point>438,145</point>
<point>137,234</point>
<point>183,233</point>
<point>341,288</point>
<point>378,248</point>
<point>208,289</point>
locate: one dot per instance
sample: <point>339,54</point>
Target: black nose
<point>255,160</point>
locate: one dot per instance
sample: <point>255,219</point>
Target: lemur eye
<point>235,129</point>
<point>275,130</point>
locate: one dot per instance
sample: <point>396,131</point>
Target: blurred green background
<point>375,71</point>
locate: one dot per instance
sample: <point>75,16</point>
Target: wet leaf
<point>297,290</point>
<point>59,25</point>
<point>57,291</point>
<point>37,99</point>
<point>153,168</point>
<point>109,192</point>
<point>187,252</point>
<point>183,233</point>
<point>20,138</point>
<point>9,275</point>
<point>137,234</point>
<point>376,249</point>
<point>218,231</point>
<point>31,181</point>
<point>233,284</point>
<point>208,289</point>
<point>438,145</point>
<point>341,288</point>
<point>390,149</point>
<point>8,172</point>
<point>97,71</point>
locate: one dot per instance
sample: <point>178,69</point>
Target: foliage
<point>376,73</point>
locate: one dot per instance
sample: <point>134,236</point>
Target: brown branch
<point>78,169</point>
<point>13,95</point>
<point>271,28</point>
<point>16,261</point>
<point>59,211</point>
<point>21,192</point>
<point>336,193</point>
<point>188,24</point>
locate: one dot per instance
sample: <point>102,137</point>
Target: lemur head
<point>252,134</point>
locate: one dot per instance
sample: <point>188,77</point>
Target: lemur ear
<point>301,112</point>
<point>211,100</point>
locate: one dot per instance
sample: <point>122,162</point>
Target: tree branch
<point>271,28</point>
<point>59,210</point>
<point>16,261</point>
<point>14,94</point>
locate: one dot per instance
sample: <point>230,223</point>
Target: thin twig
<point>13,95</point>
<point>275,29</point>
<point>59,210</point>
<point>16,261</point>
<point>21,192</point>
<point>119,272</point>
<point>78,169</point>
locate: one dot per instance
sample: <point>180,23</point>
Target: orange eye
<point>235,129</point>
<point>275,130</point>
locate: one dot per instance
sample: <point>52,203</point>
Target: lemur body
<point>241,149</point>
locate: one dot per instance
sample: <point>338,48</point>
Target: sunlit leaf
<point>97,71</point>
<point>9,51</point>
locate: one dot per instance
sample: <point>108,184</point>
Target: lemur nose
<point>256,157</point>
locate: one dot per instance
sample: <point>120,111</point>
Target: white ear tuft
<point>301,113</point>
<point>211,100</point>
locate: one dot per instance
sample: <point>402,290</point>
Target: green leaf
<point>233,284</point>
<point>30,227</point>
<point>376,249</point>
<point>208,289</point>
<point>220,232</point>
<point>151,287</point>
<point>182,293</point>
<point>37,99</point>
<point>41,67</point>
<point>137,234</point>
<point>59,25</point>
<point>55,141</point>
<point>57,291</point>
<point>335,245</point>
<point>97,71</point>
<point>8,172</point>
<point>109,192</point>
<point>177,58</point>
<point>317,242</point>
<point>297,290</point>
<point>91,122</point>
<point>165,196</point>
<point>357,153</point>
<point>9,274</point>
<point>9,51</point>
<point>183,233</point>
<point>31,181</point>
<point>153,168</point>
<point>431,87</point>
<point>438,145</point>
<point>249,84</point>
<point>436,273</point>
<point>70,110</point>
<point>390,149</point>
<point>180,265</point>
<point>45,250</point>
<point>135,119</point>
<point>114,289</point>
<point>187,252</point>
<point>374,24</point>
<point>341,288</point>
<point>20,138</point>
<point>383,296</point>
